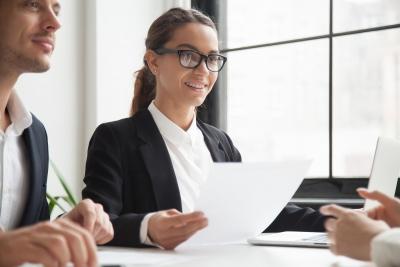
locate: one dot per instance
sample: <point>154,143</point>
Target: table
<point>233,255</point>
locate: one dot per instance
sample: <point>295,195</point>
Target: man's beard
<point>21,63</point>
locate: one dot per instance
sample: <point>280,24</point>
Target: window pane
<point>262,21</point>
<point>366,98</point>
<point>361,14</point>
<point>278,103</point>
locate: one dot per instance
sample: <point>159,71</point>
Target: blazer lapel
<point>36,182</point>
<point>158,163</point>
<point>213,144</point>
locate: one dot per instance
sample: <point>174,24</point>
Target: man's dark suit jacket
<point>35,140</point>
<point>129,172</point>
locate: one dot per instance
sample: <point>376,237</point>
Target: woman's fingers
<point>385,200</point>
<point>191,228</point>
<point>333,210</point>
<point>182,219</point>
<point>170,228</point>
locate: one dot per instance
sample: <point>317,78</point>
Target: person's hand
<point>351,231</point>
<point>92,217</point>
<point>170,228</point>
<point>388,210</point>
<point>48,243</point>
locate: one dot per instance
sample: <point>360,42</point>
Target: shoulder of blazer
<point>214,136</point>
<point>139,127</point>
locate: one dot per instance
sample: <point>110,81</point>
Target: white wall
<point>121,34</point>
<point>99,46</point>
<point>56,96</point>
<point>120,44</point>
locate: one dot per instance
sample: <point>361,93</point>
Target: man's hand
<point>170,228</point>
<point>388,210</point>
<point>92,217</point>
<point>351,231</point>
<point>48,243</point>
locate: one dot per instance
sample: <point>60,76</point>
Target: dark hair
<point>160,32</point>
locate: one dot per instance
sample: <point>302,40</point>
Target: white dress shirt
<point>385,248</point>
<point>190,158</point>
<point>14,181</point>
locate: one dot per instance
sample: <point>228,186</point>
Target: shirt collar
<point>172,132</point>
<point>20,117</point>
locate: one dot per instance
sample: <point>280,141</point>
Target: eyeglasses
<point>192,59</point>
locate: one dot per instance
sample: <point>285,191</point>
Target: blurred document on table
<point>115,256</point>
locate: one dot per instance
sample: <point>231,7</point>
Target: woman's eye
<point>187,57</point>
<point>213,59</point>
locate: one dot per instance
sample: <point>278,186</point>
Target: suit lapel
<point>213,144</point>
<point>36,185</point>
<point>158,163</point>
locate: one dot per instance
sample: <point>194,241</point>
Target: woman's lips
<point>195,85</point>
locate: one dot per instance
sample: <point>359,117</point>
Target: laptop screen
<point>385,169</point>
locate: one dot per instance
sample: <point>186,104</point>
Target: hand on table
<point>48,243</point>
<point>92,217</point>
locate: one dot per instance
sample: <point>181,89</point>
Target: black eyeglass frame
<point>163,51</point>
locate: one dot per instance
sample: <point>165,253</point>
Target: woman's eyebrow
<point>195,48</point>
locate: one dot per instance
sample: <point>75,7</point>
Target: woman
<point>146,170</point>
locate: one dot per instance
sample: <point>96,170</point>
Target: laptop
<point>384,174</point>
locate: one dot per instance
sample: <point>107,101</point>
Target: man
<point>27,36</point>
<point>374,235</point>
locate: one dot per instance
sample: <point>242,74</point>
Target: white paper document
<point>108,256</point>
<point>241,200</point>
<point>126,257</point>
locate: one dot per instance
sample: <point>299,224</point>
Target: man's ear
<point>150,58</point>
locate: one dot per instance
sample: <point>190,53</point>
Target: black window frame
<point>313,191</point>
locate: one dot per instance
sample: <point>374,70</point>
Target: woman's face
<point>179,85</point>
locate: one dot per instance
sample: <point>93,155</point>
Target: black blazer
<point>129,172</point>
<point>35,140</point>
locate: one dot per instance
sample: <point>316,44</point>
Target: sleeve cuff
<point>144,226</point>
<point>384,248</point>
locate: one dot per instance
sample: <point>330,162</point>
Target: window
<point>277,107</point>
<point>309,78</point>
<point>366,98</point>
<point>257,22</point>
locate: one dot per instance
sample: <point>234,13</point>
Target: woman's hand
<point>351,231</point>
<point>388,210</point>
<point>170,228</point>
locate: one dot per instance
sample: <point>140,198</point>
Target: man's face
<point>27,34</point>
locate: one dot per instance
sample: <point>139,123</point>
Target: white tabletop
<point>227,255</point>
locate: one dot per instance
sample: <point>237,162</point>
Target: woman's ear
<point>151,60</point>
